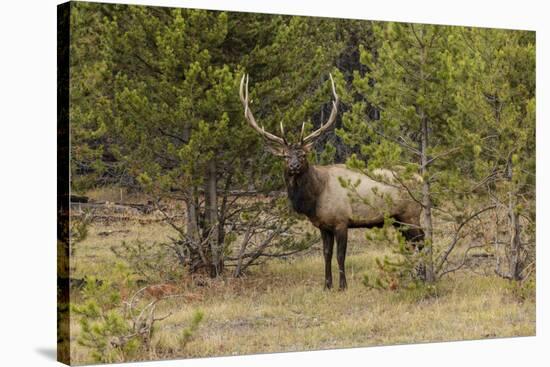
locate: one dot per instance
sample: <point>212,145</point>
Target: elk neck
<point>304,190</point>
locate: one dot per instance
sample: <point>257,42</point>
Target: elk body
<point>318,192</point>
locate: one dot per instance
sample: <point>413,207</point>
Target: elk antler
<point>324,127</point>
<point>250,118</point>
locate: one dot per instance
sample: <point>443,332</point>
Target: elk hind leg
<point>342,243</point>
<point>414,235</point>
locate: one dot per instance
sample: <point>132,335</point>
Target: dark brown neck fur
<point>304,190</point>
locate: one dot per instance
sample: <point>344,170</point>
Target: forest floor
<point>281,305</point>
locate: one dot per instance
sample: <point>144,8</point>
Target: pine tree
<point>497,99</point>
<point>172,119</point>
<point>408,82</point>
<point>455,105</point>
<point>92,160</point>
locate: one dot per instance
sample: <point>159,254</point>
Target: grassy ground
<point>281,306</point>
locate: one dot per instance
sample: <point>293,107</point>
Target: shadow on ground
<point>49,353</point>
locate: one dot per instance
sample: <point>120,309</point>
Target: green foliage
<point>190,330</point>
<point>155,108</point>
<point>455,105</point>
<point>103,324</point>
<point>155,104</point>
<point>398,271</point>
<point>408,79</point>
<point>271,230</point>
<point>328,154</point>
<point>497,105</point>
<point>157,93</point>
<point>412,69</point>
<point>114,329</point>
<point>420,292</point>
<point>524,290</point>
<point>78,231</point>
<point>151,262</point>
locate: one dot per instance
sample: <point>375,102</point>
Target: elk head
<point>294,153</point>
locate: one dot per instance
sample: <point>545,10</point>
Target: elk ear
<point>308,147</point>
<point>277,150</point>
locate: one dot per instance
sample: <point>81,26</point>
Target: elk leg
<point>415,236</point>
<point>328,244</point>
<point>342,243</point>
<point>418,243</point>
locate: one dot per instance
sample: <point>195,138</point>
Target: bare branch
<point>450,151</point>
<point>401,142</point>
<point>462,263</point>
<point>457,237</point>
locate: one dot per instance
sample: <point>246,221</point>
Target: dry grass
<point>281,306</point>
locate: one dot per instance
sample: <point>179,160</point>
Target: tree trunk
<point>515,242</point>
<point>244,244</point>
<point>427,204</point>
<point>426,194</point>
<point>196,255</point>
<point>192,226</point>
<point>223,209</point>
<point>216,266</point>
<point>514,228</point>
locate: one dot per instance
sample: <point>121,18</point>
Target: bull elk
<point>318,191</point>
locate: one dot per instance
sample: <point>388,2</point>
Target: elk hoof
<point>343,284</point>
<point>421,272</point>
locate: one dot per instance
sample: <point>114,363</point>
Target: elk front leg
<point>342,243</point>
<point>328,244</point>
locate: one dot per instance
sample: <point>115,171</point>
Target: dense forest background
<point>155,109</point>
<point>155,113</point>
